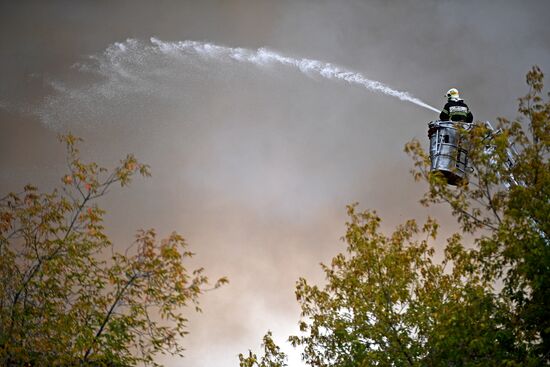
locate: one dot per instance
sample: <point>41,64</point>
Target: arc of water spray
<point>262,57</point>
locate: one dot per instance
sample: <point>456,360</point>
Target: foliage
<point>388,302</point>
<point>273,357</point>
<point>67,297</point>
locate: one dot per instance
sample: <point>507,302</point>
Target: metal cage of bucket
<point>449,150</point>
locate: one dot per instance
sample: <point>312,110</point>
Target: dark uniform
<point>456,110</point>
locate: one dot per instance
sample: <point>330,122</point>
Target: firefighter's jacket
<point>456,110</point>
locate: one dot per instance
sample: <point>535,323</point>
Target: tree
<point>388,302</point>
<point>273,357</point>
<point>67,297</point>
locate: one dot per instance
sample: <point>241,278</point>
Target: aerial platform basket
<point>449,150</point>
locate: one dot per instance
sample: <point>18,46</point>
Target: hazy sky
<point>254,166</point>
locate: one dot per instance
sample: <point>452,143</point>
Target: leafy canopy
<point>67,297</point>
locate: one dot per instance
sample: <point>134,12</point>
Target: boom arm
<point>511,154</point>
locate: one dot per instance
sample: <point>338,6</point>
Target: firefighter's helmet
<point>452,94</point>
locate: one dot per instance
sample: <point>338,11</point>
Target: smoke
<point>161,70</point>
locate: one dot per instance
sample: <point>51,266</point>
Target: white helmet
<point>452,94</point>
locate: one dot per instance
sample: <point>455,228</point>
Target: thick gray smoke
<point>153,69</point>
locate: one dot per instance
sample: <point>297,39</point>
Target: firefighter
<point>455,109</point>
